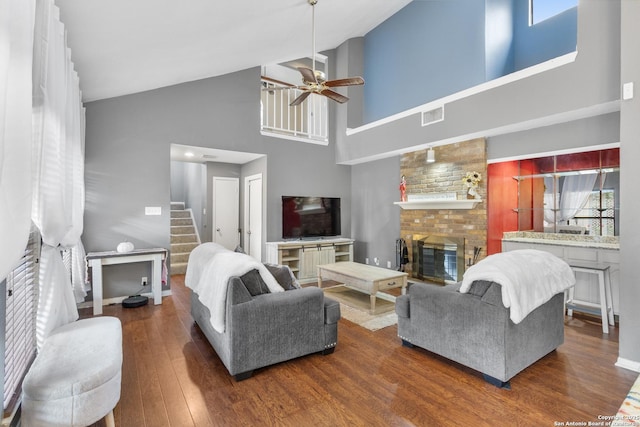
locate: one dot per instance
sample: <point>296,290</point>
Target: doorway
<point>253,216</point>
<point>226,212</point>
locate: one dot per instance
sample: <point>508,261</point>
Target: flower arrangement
<point>471,181</point>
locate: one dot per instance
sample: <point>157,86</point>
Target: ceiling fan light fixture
<point>315,81</point>
<point>431,155</point>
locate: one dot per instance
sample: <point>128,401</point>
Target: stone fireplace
<point>438,259</point>
<point>465,226</point>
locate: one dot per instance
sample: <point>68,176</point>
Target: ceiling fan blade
<point>300,99</point>
<point>308,76</point>
<point>334,95</point>
<point>349,81</point>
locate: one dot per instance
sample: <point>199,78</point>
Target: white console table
<point>97,259</point>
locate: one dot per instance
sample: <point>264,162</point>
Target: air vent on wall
<point>432,116</point>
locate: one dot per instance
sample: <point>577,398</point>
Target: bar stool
<point>605,306</point>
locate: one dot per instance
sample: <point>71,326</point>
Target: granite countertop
<point>576,240</point>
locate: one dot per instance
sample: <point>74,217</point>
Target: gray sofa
<point>474,328</point>
<point>267,328</point>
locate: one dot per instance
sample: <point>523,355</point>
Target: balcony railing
<point>306,122</point>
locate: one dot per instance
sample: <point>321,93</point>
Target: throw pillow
<point>479,287</point>
<point>284,276</point>
<point>254,283</point>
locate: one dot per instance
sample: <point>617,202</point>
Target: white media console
<point>304,256</point>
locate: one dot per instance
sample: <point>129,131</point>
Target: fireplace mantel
<point>439,204</point>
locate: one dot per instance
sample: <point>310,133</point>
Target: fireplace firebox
<point>438,259</point>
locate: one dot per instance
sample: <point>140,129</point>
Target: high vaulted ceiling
<point>127,46</point>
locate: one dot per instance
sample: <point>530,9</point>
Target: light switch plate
<point>627,91</point>
<point>153,210</point>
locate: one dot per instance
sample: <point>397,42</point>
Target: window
<point>20,303</point>
<point>598,216</point>
<point>540,10</point>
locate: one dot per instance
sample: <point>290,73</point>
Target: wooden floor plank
<point>172,376</point>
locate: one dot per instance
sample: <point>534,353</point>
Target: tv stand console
<point>304,256</point>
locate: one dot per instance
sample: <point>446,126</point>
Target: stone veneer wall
<point>445,175</point>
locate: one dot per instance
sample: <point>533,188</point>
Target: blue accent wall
<point>545,40</point>
<point>427,50</point>
<point>431,49</point>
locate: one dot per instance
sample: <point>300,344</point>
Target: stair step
<point>177,206</point>
<point>179,268</point>
<point>179,258</point>
<point>182,229</point>
<point>183,238</point>
<point>181,221</point>
<point>180,214</point>
<point>182,248</point>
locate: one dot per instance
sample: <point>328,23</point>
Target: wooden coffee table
<point>363,277</point>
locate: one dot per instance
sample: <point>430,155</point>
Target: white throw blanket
<point>528,277</point>
<point>209,269</point>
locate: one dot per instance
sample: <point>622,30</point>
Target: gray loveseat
<point>267,328</point>
<point>475,330</point>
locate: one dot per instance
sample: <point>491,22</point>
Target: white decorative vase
<point>124,247</point>
<point>473,192</point>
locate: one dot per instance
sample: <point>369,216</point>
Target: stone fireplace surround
<point>453,161</point>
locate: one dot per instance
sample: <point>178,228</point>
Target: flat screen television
<point>310,217</point>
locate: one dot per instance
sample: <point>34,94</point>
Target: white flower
<point>471,179</point>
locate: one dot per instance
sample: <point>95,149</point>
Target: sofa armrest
<point>403,303</point>
<point>331,311</point>
<point>237,292</point>
<point>274,327</point>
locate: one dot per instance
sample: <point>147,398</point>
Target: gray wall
<point>573,135</point>
<point>375,219</point>
<point>630,204</point>
<point>128,142</point>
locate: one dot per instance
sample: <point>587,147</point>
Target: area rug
<point>355,307</point>
<point>629,412</point>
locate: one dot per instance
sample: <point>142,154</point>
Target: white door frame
<point>248,227</point>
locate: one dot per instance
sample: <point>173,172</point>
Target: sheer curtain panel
<point>16,52</point>
<point>58,200</point>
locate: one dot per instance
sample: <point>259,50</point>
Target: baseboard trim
<point>628,364</point>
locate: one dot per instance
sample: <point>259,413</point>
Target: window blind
<point>20,293</point>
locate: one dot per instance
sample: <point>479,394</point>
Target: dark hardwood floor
<point>172,377</point>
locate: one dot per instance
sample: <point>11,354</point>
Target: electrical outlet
<point>144,281</point>
<point>366,260</point>
<point>376,261</point>
<point>388,264</point>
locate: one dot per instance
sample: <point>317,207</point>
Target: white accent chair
<point>75,379</point>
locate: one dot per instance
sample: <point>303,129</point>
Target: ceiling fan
<point>314,80</point>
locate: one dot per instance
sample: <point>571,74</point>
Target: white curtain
<point>575,193</point>
<point>549,199</point>
<point>16,52</point>
<point>58,199</point>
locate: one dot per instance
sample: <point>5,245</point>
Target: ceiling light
<point>431,155</point>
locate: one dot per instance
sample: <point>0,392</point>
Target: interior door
<point>226,211</point>
<point>253,216</point>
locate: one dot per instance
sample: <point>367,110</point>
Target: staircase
<point>184,237</point>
